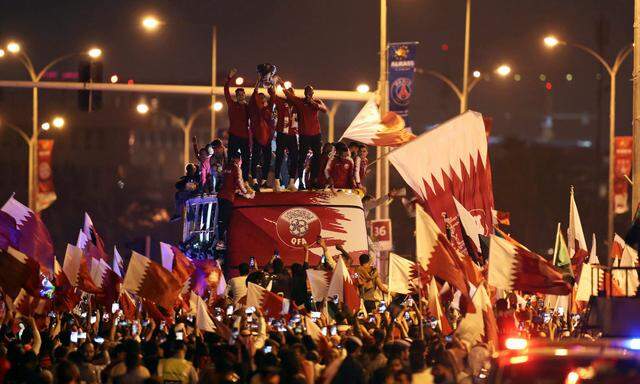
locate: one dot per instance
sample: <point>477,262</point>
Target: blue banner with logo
<point>402,65</point>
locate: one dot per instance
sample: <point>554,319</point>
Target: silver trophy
<point>267,74</point>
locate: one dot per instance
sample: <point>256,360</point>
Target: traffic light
<point>90,71</point>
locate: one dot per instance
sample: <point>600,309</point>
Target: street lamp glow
<point>142,108</point>
<point>362,88</point>
<point>114,79</point>
<point>287,84</point>
<point>503,70</point>
<point>476,74</point>
<point>239,80</point>
<point>94,53</point>
<point>45,126</point>
<point>58,122</point>
<point>217,106</point>
<point>13,47</point>
<point>150,23</point>
<point>551,41</point>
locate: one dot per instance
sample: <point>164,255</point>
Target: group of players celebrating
<point>294,121</point>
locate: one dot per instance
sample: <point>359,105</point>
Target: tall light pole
<point>16,50</point>
<point>551,41</point>
<point>465,71</point>
<point>185,127</point>
<point>503,70</point>
<point>382,166</point>
<point>152,24</point>
<point>635,168</point>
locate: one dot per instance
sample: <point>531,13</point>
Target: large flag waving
<point>402,274</point>
<point>514,268</point>
<point>370,128</point>
<point>17,271</point>
<point>23,230</point>
<point>437,257</point>
<point>446,162</point>
<point>76,267</point>
<point>151,281</point>
<point>343,287</point>
<point>482,325</point>
<point>94,246</point>
<point>319,282</point>
<point>576,241</point>
<point>269,303</point>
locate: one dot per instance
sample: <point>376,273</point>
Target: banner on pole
<point>402,65</point>
<point>46,191</point>
<point>623,157</point>
<point>381,234</point>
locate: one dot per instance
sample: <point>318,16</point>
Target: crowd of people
<point>390,339</point>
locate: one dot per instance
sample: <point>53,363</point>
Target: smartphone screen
<point>93,319</point>
<point>252,262</point>
<point>230,310</point>
<point>115,307</point>
<point>179,336</point>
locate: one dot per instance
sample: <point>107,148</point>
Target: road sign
<point>381,234</point>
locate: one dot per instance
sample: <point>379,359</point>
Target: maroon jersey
<point>259,117</point>
<point>285,114</point>
<point>238,115</point>
<point>341,172</point>
<point>307,114</point>
<point>231,182</point>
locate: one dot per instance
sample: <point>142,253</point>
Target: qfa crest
<point>298,226</point>
<point>401,53</point>
<point>400,91</point>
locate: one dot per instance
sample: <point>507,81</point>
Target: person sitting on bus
<point>186,187</point>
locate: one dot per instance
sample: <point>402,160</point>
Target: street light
<point>2,52</point>
<point>150,23</point>
<point>362,88</point>
<point>239,80</point>
<point>142,108</point>
<point>14,48</point>
<point>45,126</point>
<point>114,79</point>
<point>503,70</point>
<point>550,42</point>
<point>58,122</point>
<point>217,106</point>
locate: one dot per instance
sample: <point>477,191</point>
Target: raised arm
<point>227,93</point>
<point>321,105</point>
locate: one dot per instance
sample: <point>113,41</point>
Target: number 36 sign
<point>381,234</point>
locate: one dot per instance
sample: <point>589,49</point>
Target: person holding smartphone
<point>371,286</point>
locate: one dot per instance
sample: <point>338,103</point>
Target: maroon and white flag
<point>343,287</point>
<point>151,281</point>
<point>437,256</point>
<point>269,303</point>
<point>76,267</point>
<point>118,263</point>
<point>450,161</point>
<point>64,296</point>
<point>177,262</point>
<point>23,230</point>
<point>514,268</point>
<point>29,305</point>
<point>92,245</point>
<point>576,241</point>
<point>107,281</point>
<point>403,275</point>
<point>203,320</point>
<point>319,282</point>
<point>17,271</point>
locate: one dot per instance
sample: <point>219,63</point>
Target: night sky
<point>334,45</point>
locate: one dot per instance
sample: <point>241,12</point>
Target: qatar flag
<point>269,303</point>
<point>64,296</point>
<point>343,287</point>
<point>403,275</point>
<point>151,281</point>
<point>76,267</point>
<point>481,325</point>
<point>107,280</point>
<point>29,305</point>
<point>23,230</point>
<point>92,243</point>
<point>450,161</point>
<point>17,271</point>
<point>370,128</point>
<point>178,263</point>
<point>319,282</point>
<point>576,241</point>
<point>515,268</point>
